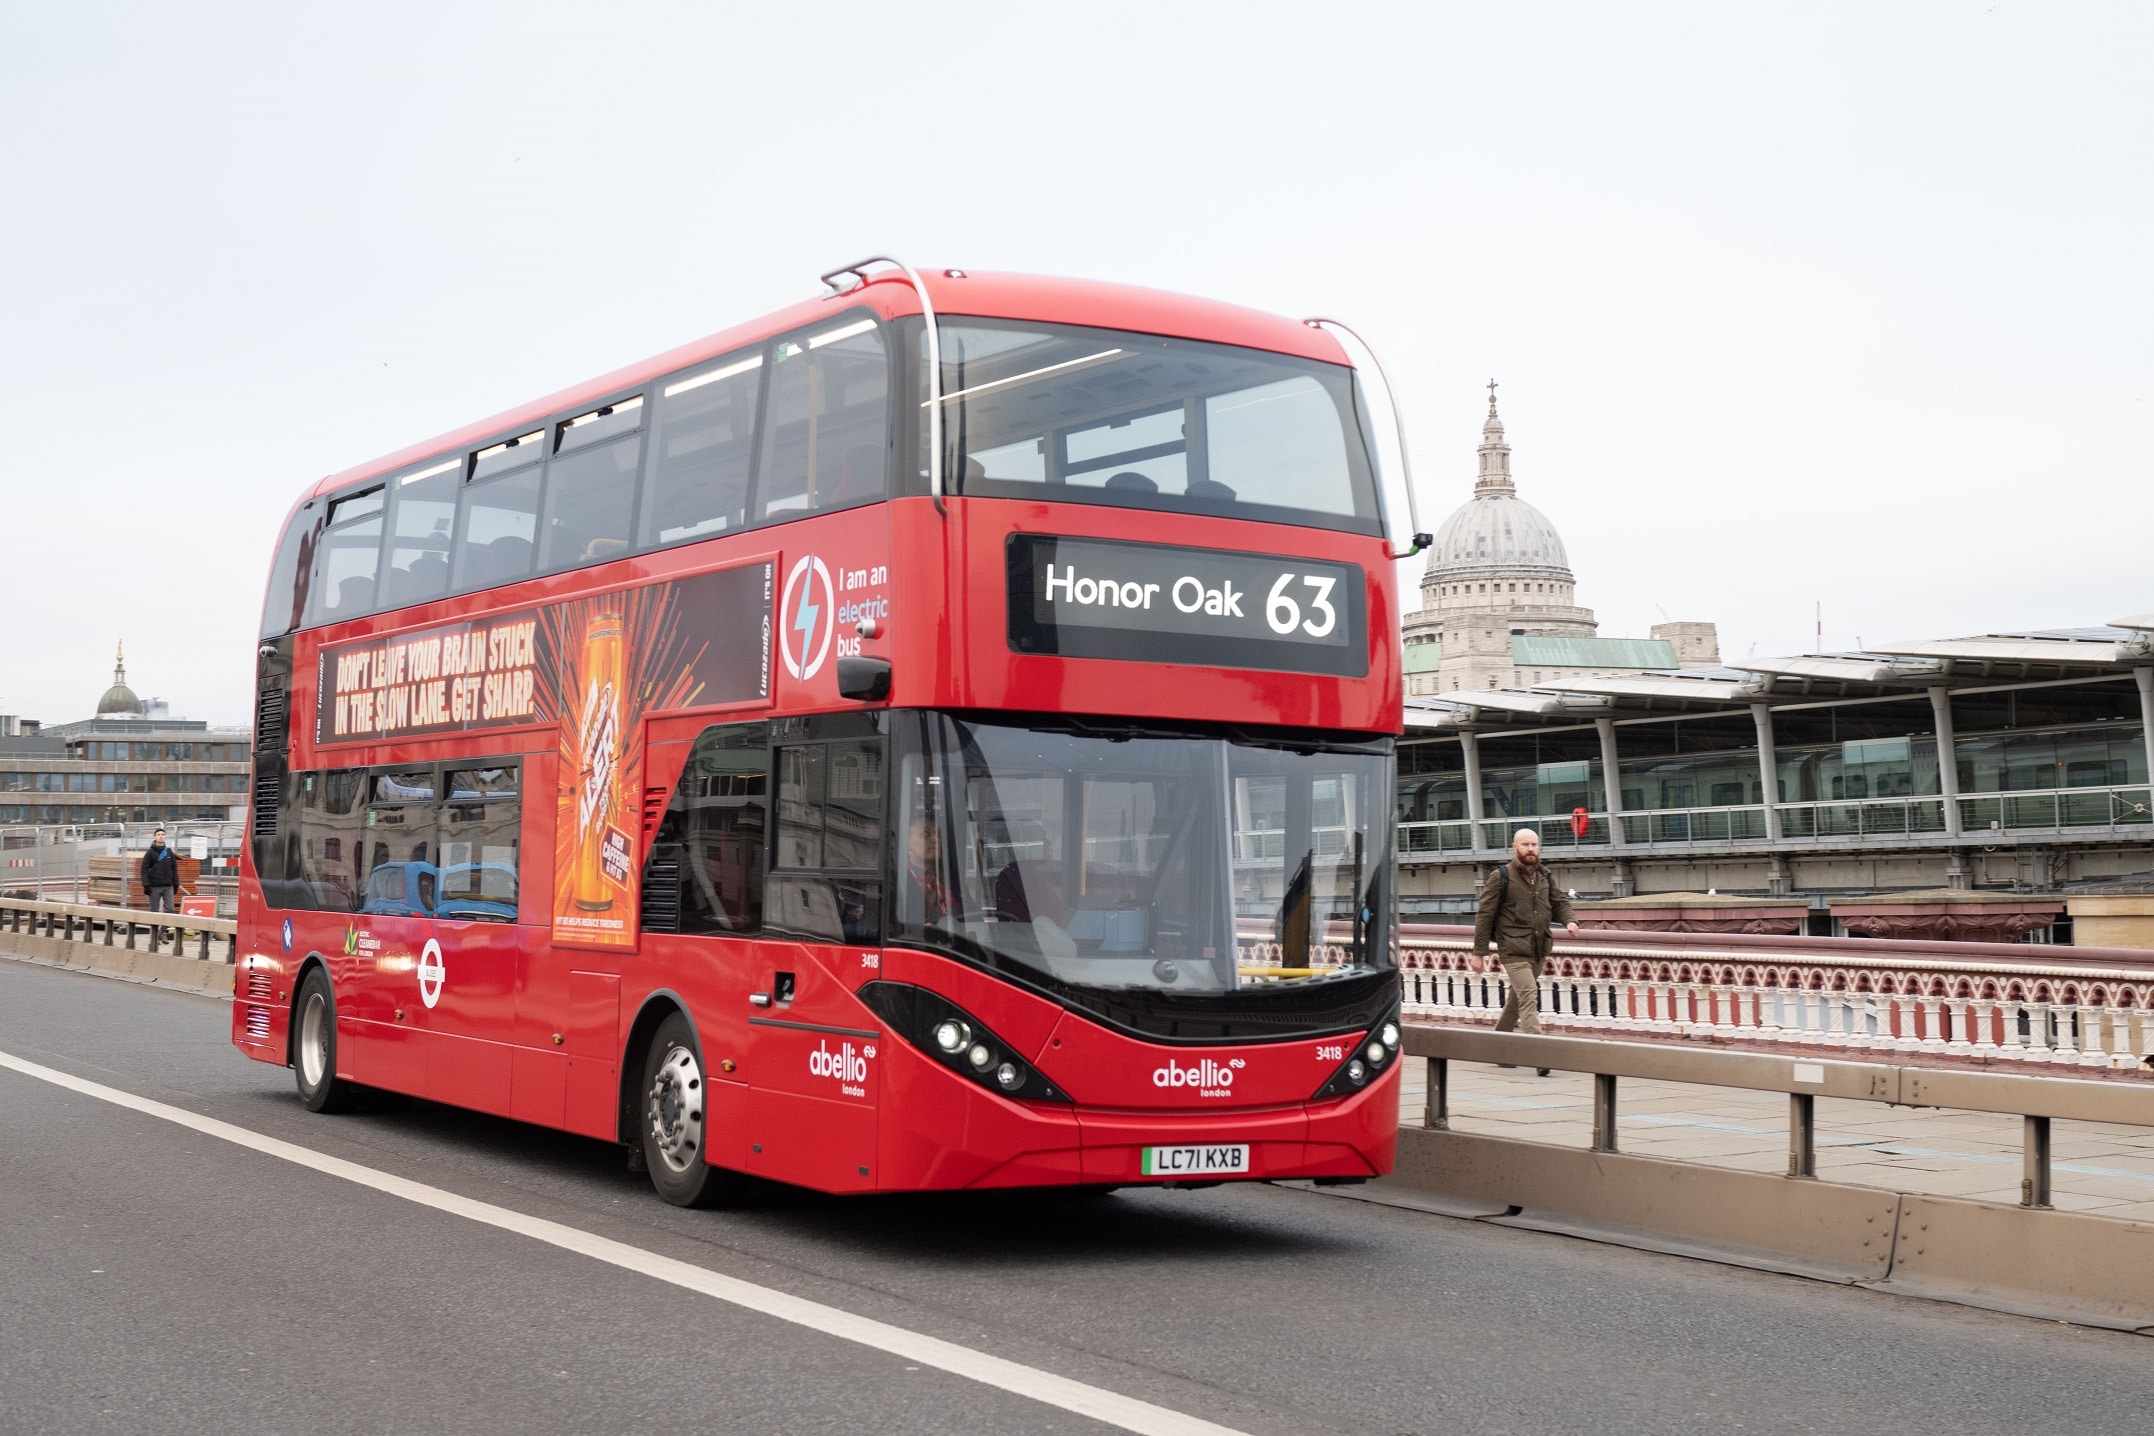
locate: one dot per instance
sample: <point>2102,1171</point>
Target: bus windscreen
<point>1184,863</point>
<point>1044,411</point>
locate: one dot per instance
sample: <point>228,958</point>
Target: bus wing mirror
<point>864,679</point>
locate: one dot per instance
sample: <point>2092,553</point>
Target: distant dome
<point>119,700</point>
<point>1496,530</point>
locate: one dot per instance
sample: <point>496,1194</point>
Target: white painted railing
<point>2061,1015</point>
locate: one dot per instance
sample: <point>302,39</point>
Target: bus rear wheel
<point>314,1047</point>
<point>674,1118</point>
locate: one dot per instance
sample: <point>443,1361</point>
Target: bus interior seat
<point>598,550</point>
<point>507,559</point>
<point>1130,481</point>
<point>426,576</point>
<point>860,477</point>
<point>1028,890</point>
<point>355,595</point>
<point>1211,489</point>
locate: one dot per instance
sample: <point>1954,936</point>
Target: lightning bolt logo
<point>809,601</point>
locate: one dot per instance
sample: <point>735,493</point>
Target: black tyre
<point>673,1114</point>
<point>314,1047</point>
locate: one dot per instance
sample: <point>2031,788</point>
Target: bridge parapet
<point>2045,1007</point>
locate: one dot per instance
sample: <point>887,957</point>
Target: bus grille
<point>257,1023</point>
<point>662,891</point>
<point>258,986</point>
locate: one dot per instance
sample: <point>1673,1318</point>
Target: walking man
<point>160,874</point>
<point>1520,904</point>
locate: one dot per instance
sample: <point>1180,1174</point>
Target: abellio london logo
<point>807,618</point>
<point>849,1065</point>
<point>1210,1078</point>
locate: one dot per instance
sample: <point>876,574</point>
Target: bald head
<point>1526,846</point>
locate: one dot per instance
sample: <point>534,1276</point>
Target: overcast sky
<point>1790,303</point>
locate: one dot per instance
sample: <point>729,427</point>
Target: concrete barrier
<point>2028,1259</point>
<point>211,977</point>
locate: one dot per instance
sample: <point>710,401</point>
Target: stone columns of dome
<point>1472,747</point>
<point>1768,769</point>
<point>1611,780</point>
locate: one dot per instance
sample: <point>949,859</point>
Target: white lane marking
<point>1045,1387</point>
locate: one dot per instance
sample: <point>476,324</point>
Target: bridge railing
<point>2030,1006</point>
<point>213,939</point>
<point>2090,813</point>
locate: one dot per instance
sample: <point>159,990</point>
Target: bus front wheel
<point>675,1119</point>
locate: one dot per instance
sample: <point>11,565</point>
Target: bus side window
<point>422,512</point>
<point>826,864</point>
<point>825,428</point>
<point>709,849</point>
<point>397,845</point>
<point>706,447</point>
<point>346,558</point>
<point>331,810</point>
<point>497,527</point>
<point>480,826</point>
<point>591,486</point>
<point>291,573</point>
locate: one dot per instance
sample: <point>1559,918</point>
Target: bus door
<point>812,1045</point>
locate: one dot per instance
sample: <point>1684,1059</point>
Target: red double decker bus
<point>937,736</point>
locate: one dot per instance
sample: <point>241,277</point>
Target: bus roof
<point>954,292</point>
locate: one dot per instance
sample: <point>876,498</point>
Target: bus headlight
<point>1365,1062</point>
<point>942,1030</point>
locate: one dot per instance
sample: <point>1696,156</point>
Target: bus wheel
<point>676,1103</point>
<point>314,1047</point>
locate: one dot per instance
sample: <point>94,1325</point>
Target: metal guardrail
<point>2076,813</point>
<point>2035,1100</point>
<point>121,927</point>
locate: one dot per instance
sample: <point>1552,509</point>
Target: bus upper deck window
<point>422,514</point>
<point>706,447</point>
<point>591,486</point>
<point>826,428</point>
<point>346,559</point>
<point>499,527</point>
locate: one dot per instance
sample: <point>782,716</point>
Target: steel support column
<point>1611,780</point>
<point>2145,677</point>
<point>1948,759</point>
<point>1768,769</point>
<point>1471,746</point>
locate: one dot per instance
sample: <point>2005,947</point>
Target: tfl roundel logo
<point>807,618</point>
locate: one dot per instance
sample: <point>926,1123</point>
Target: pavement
<point>2096,1167</point>
<point>157,1278</point>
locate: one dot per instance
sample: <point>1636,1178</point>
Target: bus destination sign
<point>1098,598</point>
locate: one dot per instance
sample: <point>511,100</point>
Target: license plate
<point>1218,1161</point>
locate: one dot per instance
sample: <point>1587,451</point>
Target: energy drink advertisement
<point>619,657</point>
<point>603,851</point>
